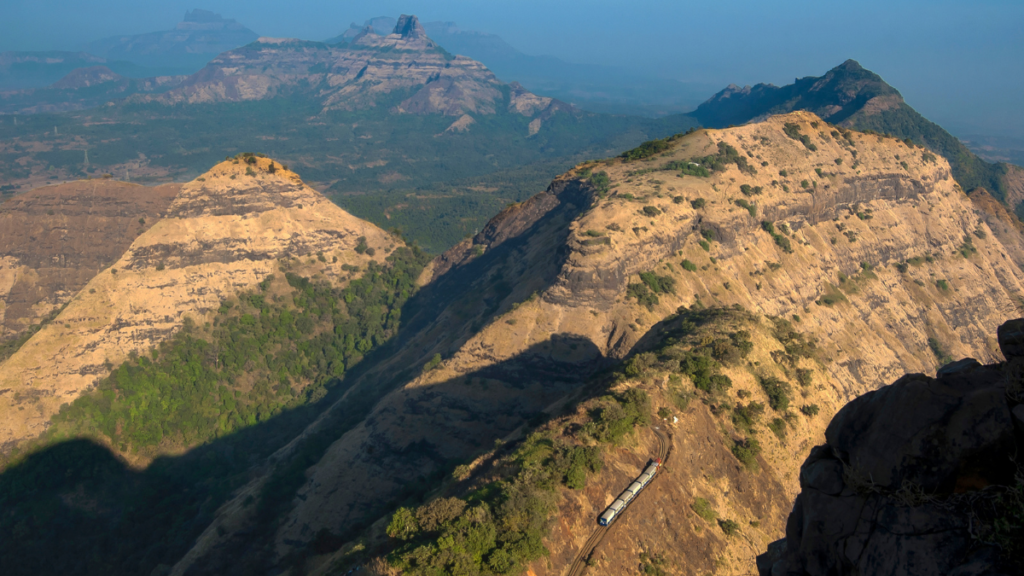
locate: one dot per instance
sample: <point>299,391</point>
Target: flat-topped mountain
<point>200,36</point>
<point>404,68</point>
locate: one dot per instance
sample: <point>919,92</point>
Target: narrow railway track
<point>579,563</point>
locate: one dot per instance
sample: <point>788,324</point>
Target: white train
<point>626,497</point>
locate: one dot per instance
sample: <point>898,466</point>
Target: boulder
<point>885,494</point>
<point>1011,338</point>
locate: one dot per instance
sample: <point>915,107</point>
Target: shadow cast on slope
<point>76,508</point>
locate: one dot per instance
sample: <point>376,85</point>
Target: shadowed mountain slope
<point>918,477</point>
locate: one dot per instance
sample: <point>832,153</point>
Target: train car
<point>631,492</point>
<point>611,512</point>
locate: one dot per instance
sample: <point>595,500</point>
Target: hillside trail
<point>579,563</point>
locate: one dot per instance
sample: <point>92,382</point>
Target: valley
<point>362,306</point>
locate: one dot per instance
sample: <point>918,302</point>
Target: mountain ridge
<point>851,96</point>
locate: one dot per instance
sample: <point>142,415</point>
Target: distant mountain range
<point>27,70</point>
<point>394,128</point>
<point>597,88</point>
<point>851,96</point>
<point>196,40</point>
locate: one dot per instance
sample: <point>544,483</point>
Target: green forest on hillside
<point>233,391</point>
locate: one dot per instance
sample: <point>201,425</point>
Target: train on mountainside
<point>630,493</point>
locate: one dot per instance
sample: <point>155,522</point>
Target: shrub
<point>778,427</point>
<point>746,451</point>
<point>793,131</point>
<point>832,296</point>
<point>594,233</point>
<point>601,182</point>
<point>703,509</point>
<point>705,245</point>
<point>752,209</point>
<point>803,376</point>
<point>651,211</point>
<point>746,416</point>
<point>942,285</point>
<point>780,240</point>
<point>678,199</point>
<point>643,295</point>
<point>403,525</point>
<point>777,391</point>
<point>432,516</point>
<point>658,284</point>
<point>664,413</point>
<point>689,266</point>
<point>967,248</point>
<point>645,150</point>
<point>805,184</point>
<point>361,245</point>
<point>619,416</point>
<point>730,527</point>
<point>783,173</point>
<point>810,410</point>
<point>747,190</point>
<point>698,203</point>
<point>432,363</point>
<point>582,461</point>
<point>818,171</point>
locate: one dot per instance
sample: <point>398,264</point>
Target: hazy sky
<point>960,63</point>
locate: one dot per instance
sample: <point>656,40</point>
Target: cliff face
<point>53,240</point>
<point>918,477</point>
<point>223,233</point>
<point>863,243</point>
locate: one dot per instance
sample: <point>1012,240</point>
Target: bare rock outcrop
<point>54,239</point>
<point>918,477</point>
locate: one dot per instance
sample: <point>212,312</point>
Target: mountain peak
<point>409,27</point>
<point>199,15</point>
<point>850,65</point>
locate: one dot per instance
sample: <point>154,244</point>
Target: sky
<point>960,63</point>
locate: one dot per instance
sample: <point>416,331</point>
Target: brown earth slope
<point>874,251</point>
<point>223,233</point>
<point>53,240</point>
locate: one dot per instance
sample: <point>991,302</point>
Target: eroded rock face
<point>910,478</point>
<point>53,240</point>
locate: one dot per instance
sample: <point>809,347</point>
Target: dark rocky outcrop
<point>919,477</point>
